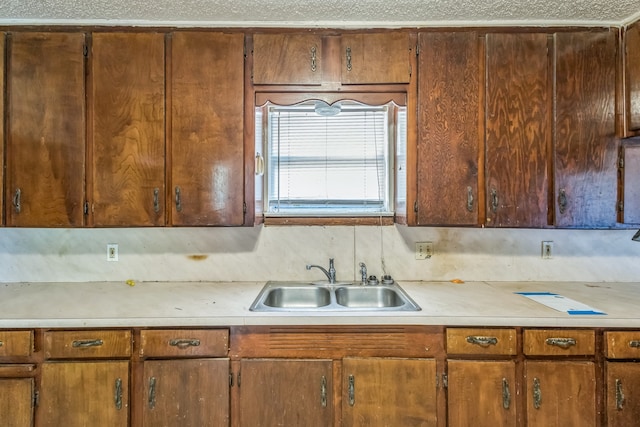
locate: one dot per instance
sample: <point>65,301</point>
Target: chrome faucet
<point>363,273</point>
<point>331,274</point>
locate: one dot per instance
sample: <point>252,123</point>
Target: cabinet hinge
<point>36,398</point>
<point>415,206</point>
<point>85,50</point>
<point>621,162</point>
<point>445,381</point>
<point>418,49</point>
<point>230,379</point>
<point>86,207</point>
<point>244,207</point>
<point>621,206</point>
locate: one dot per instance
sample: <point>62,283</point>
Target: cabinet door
<point>376,58</point>
<point>518,130</point>
<point>586,146</point>
<point>481,393</point>
<point>45,130</point>
<point>127,129</point>
<point>287,59</point>
<point>16,398</point>
<point>623,393</point>
<point>632,81</point>
<point>388,392</point>
<point>286,392</point>
<point>560,394</point>
<point>186,393</point>
<point>448,132</point>
<point>207,99</point>
<point>79,394</point>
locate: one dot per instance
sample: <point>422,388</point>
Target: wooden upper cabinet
<point>316,59</point>
<point>127,129</point>
<point>287,59</point>
<point>45,130</point>
<point>448,128</point>
<point>632,74</point>
<point>518,129</point>
<point>207,110</point>
<point>586,145</point>
<point>376,58</point>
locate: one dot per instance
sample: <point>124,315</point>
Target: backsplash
<point>281,253</point>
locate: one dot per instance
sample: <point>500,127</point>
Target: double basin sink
<point>345,296</point>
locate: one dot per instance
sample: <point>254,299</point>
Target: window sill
<point>328,220</point>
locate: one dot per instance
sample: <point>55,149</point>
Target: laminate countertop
<point>176,304</point>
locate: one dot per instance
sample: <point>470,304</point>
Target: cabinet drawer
<point>87,344</point>
<point>481,341</point>
<point>16,343</point>
<point>622,344</point>
<point>559,342</point>
<point>184,343</point>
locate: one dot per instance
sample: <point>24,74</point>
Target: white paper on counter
<point>561,303</point>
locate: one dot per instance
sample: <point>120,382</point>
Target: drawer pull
<point>323,391</point>
<point>184,343</point>
<point>506,394</point>
<point>152,393</point>
<point>118,394</point>
<point>482,341</point>
<point>537,394</point>
<point>86,343</point>
<point>619,395</point>
<point>634,344</point>
<point>561,342</point>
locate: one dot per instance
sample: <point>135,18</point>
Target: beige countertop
<point>116,304</point>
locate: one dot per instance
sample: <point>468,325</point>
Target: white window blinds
<point>337,164</point>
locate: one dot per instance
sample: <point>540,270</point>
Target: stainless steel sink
<point>297,296</point>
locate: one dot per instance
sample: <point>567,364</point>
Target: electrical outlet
<point>547,250</point>
<point>112,252</point>
<point>424,250</point>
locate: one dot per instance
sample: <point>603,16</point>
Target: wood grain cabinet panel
<point>448,128</point>
<point>83,344</point>
<point>16,343</point>
<point>186,393</point>
<point>622,344</point>
<point>632,74</point>
<point>207,154</point>
<point>127,129</point>
<point>16,402</point>
<point>388,392</point>
<point>586,145</point>
<point>286,392</point>
<point>45,129</point>
<point>287,59</point>
<point>184,343</point>
<point>622,382</point>
<point>518,129</point>
<point>559,342</point>
<point>376,58</point>
<point>471,341</point>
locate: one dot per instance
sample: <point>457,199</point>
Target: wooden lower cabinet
<point>560,393</point>
<point>481,393</point>
<point>185,393</point>
<point>16,402</point>
<point>388,392</point>
<point>286,392</point>
<point>622,382</point>
<point>80,394</point>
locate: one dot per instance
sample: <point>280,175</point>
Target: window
<point>326,160</point>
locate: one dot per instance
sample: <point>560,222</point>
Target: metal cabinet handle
<point>17,206</point>
<point>152,393</point>
<point>470,199</point>
<point>506,394</point>
<point>482,341</point>
<point>314,64</point>
<point>634,344</point>
<point>156,200</point>
<point>352,391</point>
<point>184,343</point>
<point>118,394</point>
<point>86,343</point>
<point>323,391</point>
<point>348,55</point>
<point>537,394</point>
<point>561,342</point>
<point>259,165</point>
<point>562,201</point>
<point>494,200</point>
<point>619,395</point>
<point>178,200</point>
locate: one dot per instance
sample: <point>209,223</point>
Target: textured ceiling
<point>319,13</point>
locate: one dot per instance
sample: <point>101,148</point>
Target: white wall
<point>281,253</point>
